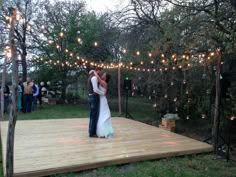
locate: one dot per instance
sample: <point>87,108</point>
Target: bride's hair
<point>108,78</point>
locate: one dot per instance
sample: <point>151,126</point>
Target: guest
<point>6,93</point>
<point>35,95</point>
<point>22,93</point>
<point>28,95</point>
<point>19,97</point>
<point>40,95</point>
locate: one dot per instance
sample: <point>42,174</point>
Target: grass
<point>189,166</point>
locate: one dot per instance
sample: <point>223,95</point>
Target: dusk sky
<point>106,5</point>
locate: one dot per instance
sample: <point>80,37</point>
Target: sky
<point>106,5</point>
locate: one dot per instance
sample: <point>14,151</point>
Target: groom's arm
<point>95,86</point>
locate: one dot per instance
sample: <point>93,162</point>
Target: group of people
<point>27,95</point>
<point>100,124</point>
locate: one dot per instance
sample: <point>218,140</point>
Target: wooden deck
<point>44,147</point>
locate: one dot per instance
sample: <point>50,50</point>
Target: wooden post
<point>3,84</point>
<point>119,91</point>
<point>13,111</point>
<point>215,128</point>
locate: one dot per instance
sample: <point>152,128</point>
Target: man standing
<point>93,99</point>
<point>28,95</point>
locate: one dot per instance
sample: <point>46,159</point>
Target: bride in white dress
<point>104,124</point>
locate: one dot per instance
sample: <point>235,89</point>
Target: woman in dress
<point>104,124</point>
<point>19,97</point>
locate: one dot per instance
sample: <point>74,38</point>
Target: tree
<point>66,35</point>
<point>26,10</point>
<point>13,112</point>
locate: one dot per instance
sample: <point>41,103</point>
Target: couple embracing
<point>100,116</point>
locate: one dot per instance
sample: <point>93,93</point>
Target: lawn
<point>204,165</point>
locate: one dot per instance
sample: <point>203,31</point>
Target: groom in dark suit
<point>93,99</point>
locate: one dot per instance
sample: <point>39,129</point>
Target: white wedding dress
<point>104,125</point>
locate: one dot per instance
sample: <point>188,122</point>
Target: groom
<point>93,99</point>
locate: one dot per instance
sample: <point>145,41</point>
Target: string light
<point>124,51</point>
<point>138,53</point>
<point>111,66</point>
<point>50,41</point>
<point>79,40</point>
<point>18,16</point>
<point>29,27</point>
<point>61,34</point>
<point>8,52</point>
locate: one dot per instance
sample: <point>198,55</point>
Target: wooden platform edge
<point>78,168</point>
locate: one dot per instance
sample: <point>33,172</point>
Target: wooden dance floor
<point>44,147</point>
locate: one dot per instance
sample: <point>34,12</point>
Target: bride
<point>104,125</point>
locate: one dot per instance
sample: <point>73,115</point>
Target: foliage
<point>26,10</point>
<point>230,106</point>
<point>181,28</point>
<point>65,38</point>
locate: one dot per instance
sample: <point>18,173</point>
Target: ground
<point>204,165</point>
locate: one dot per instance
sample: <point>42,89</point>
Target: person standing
<point>93,100</point>
<point>35,95</point>
<point>19,97</point>
<point>28,95</point>
<point>6,93</point>
<point>22,93</point>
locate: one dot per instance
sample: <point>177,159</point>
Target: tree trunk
<point>24,65</point>
<point>119,92</point>
<point>215,128</point>
<point>3,86</point>
<point>63,93</point>
<point>13,112</point>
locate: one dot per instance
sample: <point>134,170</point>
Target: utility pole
<point>13,111</point>
<point>216,121</point>
<point>119,91</point>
